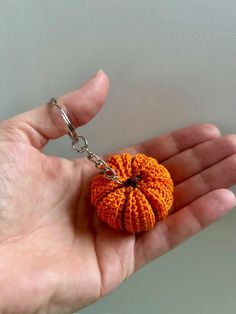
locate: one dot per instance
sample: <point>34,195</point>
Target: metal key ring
<point>100,164</point>
<point>70,128</point>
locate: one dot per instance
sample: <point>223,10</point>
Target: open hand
<point>55,256</point>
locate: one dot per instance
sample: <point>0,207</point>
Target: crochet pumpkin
<point>144,198</point>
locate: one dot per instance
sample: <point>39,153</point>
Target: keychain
<point>130,193</point>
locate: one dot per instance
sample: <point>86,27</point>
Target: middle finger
<point>194,160</point>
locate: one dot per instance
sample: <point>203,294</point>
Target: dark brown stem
<point>133,181</point>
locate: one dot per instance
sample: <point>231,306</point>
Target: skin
<point>55,256</point>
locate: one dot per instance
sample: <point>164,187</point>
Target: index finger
<point>165,146</point>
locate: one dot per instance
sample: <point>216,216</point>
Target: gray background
<point>171,64</point>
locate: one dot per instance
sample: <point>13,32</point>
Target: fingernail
<point>100,71</point>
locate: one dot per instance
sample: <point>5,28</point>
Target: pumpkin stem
<point>133,181</point>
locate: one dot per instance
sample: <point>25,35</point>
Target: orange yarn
<point>145,197</point>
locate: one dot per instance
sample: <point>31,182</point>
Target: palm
<point>52,245</point>
<point>56,241</point>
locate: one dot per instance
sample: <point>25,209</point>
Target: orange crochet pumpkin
<point>145,197</point>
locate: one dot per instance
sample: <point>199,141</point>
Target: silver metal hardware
<point>80,145</point>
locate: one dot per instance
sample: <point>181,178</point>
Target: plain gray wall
<point>171,64</point>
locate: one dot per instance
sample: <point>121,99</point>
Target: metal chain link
<point>80,145</point>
